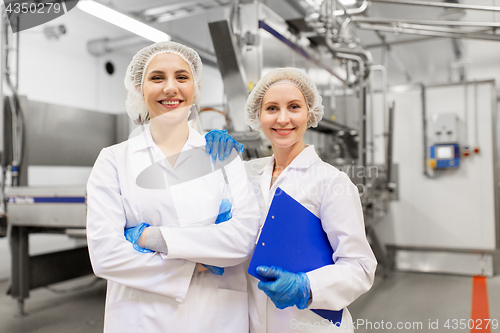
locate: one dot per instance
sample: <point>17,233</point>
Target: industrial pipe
<point>416,31</point>
<point>439,4</point>
<point>363,57</point>
<point>98,47</point>
<point>383,71</point>
<point>426,22</point>
<point>388,155</point>
<point>352,11</point>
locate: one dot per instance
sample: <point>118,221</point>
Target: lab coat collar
<point>144,140</point>
<point>302,161</point>
<point>141,141</point>
<point>195,141</point>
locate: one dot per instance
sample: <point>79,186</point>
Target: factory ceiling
<point>403,40</point>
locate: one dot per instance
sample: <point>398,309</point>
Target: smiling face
<point>283,115</point>
<point>168,87</point>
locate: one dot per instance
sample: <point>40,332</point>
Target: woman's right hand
<point>134,233</point>
<point>285,288</point>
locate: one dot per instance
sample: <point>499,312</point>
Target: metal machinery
<point>56,209</point>
<point>322,42</point>
<point>35,134</point>
<point>40,134</point>
<point>256,40</point>
<point>44,210</point>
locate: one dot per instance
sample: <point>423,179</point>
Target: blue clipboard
<point>293,238</point>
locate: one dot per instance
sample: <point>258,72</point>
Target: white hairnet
<point>290,75</point>
<point>134,77</point>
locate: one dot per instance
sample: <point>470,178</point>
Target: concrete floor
<point>414,298</point>
<point>61,312</point>
<point>409,298</point>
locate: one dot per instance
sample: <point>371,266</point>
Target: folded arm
<point>225,244</point>
<point>112,256</point>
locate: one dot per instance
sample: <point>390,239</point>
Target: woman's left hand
<point>224,211</point>
<point>220,144</point>
<point>286,289</point>
<point>224,215</point>
<point>200,268</point>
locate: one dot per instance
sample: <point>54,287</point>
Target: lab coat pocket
<point>232,311</point>
<point>309,322</point>
<point>121,316</point>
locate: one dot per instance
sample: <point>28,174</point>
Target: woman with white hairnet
<point>283,104</point>
<point>153,211</point>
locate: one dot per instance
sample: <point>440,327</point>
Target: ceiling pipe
<point>328,23</point>
<point>400,42</point>
<point>384,44</point>
<point>439,4</point>
<point>351,11</point>
<point>362,57</point>
<point>343,33</point>
<point>180,10</point>
<point>327,14</point>
<point>299,6</point>
<point>480,32</point>
<point>356,59</point>
<point>415,30</point>
<point>427,22</point>
<point>383,71</point>
<point>330,9</point>
<point>99,47</point>
<point>325,22</point>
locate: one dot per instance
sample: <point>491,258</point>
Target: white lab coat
<point>330,195</point>
<point>152,292</point>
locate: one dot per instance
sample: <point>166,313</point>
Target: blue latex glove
<point>286,289</point>
<point>133,234</point>
<point>224,215</point>
<point>224,211</point>
<point>220,144</point>
<point>214,269</point>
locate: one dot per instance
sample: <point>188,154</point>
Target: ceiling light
<point>318,3</point>
<point>348,2</point>
<point>123,21</point>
